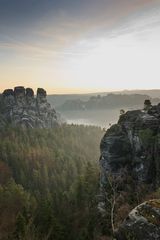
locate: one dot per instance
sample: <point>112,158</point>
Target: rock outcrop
<point>130,152</point>
<point>143,223</point>
<point>20,107</point>
<point>133,144</point>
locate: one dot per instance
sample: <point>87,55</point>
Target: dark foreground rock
<point>133,145</point>
<point>129,168</point>
<point>143,223</point>
<point>20,107</point>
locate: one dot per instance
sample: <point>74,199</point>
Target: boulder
<point>142,223</point>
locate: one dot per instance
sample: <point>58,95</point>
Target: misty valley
<point>102,118</point>
<point>99,109</point>
<point>88,174</point>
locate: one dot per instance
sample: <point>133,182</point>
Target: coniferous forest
<point>49,180</point>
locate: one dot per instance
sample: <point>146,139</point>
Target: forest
<point>50,185</point>
<point>49,180</point>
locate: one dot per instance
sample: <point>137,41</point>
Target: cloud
<point>44,30</point>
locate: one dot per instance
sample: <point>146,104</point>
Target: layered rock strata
<point>21,107</point>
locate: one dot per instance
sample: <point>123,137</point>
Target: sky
<point>80,46</point>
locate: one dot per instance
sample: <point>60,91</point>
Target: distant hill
<point>58,99</point>
<point>109,101</point>
<point>153,93</point>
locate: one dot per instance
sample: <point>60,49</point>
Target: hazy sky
<point>80,45</point>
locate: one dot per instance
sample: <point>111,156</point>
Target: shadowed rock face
<point>19,91</point>
<point>20,107</point>
<point>30,97</point>
<point>8,92</point>
<point>41,92</point>
<point>133,144</point>
<point>29,92</point>
<point>8,98</point>
<point>143,223</point>
<point>19,94</point>
<point>132,148</point>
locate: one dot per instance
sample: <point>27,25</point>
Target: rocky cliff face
<point>132,148</point>
<point>143,223</point>
<point>133,144</point>
<point>20,107</point>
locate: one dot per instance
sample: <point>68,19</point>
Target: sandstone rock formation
<point>20,107</point>
<point>143,223</point>
<point>133,144</point>
<point>130,150</point>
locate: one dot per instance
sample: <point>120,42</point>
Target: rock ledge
<point>143,223</point>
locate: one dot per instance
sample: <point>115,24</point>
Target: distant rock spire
<point>22,108</point>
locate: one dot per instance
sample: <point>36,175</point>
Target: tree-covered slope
<point>48,182</point>
<point>109,101</point>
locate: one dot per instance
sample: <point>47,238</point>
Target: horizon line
<point>87,92</point>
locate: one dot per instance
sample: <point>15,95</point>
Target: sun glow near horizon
<point>120,63</point>
<point>112,64</point>
<point>70,52</point>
